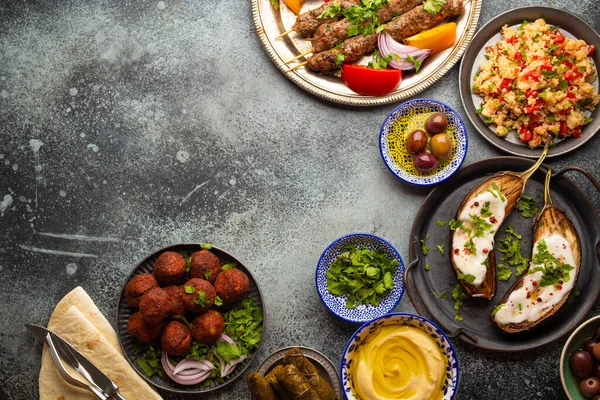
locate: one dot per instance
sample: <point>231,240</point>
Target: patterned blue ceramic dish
<point>337,304</point>
<point>412,115</point>
<point>365,332</point>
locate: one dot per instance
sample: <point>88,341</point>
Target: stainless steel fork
<point>52,346</point>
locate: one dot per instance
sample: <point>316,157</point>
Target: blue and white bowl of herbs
<point>359,277</point>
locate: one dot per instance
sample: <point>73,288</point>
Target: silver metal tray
<point>270,23</point>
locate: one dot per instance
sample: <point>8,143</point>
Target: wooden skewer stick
<point>296,66</point>
<point>299,56</point>
<point>284,33</point>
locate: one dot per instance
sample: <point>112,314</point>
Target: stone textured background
<point>141,123</point>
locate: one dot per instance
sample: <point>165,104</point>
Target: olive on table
<point>596,352</point>
<point>417,140</point>
<point>590,387</point>
<point>435,124</point>
<point>581,363</point>
<point>589,344</point>
<point>441,145</point>
<point>425,162</point>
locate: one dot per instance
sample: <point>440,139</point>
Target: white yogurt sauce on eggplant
<point>465,260</point>
<point>529,301</point>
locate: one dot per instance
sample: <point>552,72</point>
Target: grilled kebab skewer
<point>406,25</point>
<point>329,35</point>
<point>308,22</point>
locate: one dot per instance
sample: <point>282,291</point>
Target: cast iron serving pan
<point>477,327</point>
<point>124,311</point>
<point>571,26</point>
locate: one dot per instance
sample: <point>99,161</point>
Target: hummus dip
<point>399,362</point>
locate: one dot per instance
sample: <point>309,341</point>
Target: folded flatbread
<point>77,320</point>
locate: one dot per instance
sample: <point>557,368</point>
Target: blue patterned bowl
<point>402,319</point>
<point>418,108</point>
<point>337,304</point>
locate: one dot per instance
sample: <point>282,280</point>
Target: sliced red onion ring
<point>187,377</point>
<point>233,363</point>
<point>227,368</point>
<point>400,52</point>
<point>190,364</point>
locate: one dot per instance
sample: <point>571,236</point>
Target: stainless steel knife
<point>78,361</point>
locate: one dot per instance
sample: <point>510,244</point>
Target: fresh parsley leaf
<point>228,266</point>
<point>459,296</point>
<point>189,289</point>
<point>275,4</point>
<point>434,294</point>
<point>440,249</point>
<point>455,224</point>
<point>553,271</point>
<point>587,120</point>
<point>206,246</point>
<point>218,302</point>
<point>441,222</point>
<point>471,247</point>
<point>504,272</point>
<point>150,362</point>
<point>511,231</point>
<point>339,59</point>
<point>526,205</point>
<point>563,84</point>
<point>498,191</point>
<point>244,325</point>
<point>228,351</point>
<point>434,6</point>
<point>201,300</point>
<point>424,247</point>
<point>427,267</point>
<point>416,62</point>
<point>443,295</point>
<point>330,12</point>
<point>497,308</point>
<point>466,277</point>
<point>520,28</point>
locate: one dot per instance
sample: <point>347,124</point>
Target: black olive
<point>590,387</point>
<point>581,363</point>
<point>437,123</point>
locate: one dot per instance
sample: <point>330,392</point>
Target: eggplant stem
<point>525,175</point>
<point>547,198</point>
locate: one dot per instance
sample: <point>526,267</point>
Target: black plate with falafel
<point>190,318</point>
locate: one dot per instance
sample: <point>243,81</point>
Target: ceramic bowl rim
<point>377,239</point>
<point>404,104</point>
<point>403,315</point>
<point>564,351</point>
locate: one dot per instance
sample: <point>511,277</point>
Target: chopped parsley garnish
<point>553,271</point>
<point>485,210</point>
<point>479,110</point>
<point>510,246</point>
<point>471,247</point>
<point>440,248</point>
<point>244,325</point>
<point>466,277</point>
<point>459,296</point>
<point>218,301</point>
<point>455,224</point>
<point>275,4</point>
<point>441,222</point>
<point>526,205</point>
<point>587,120</point>
<point>150,363</point>
<point>365,275</point>
<point>434,6</point>
<point>427,267</point>
<point>417,63</point>
<point>523,25</point>
<point>379,62</point>
<point>511,231</point>
<point>228,266</point>
<point>498,191</point>
<point>443,295</point>
<point>434,294</point>
<point>563,84</point>
<point>189,289</point>
<point>228,351</point>
<point>496,309</point>
<point>362,18</point>
<point>201,300</point>
<point>339,59</point>
<point>330,12</point>
<point>424,247</point>
<point>481,225</point>
<point>504,272</point>
<point>206,246</point>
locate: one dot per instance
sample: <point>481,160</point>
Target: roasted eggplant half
<point>477,220</point>
<point>552,273</point>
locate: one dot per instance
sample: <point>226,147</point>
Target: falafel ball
<point>169,268</point>
<point>205,265</point>
<point>199,295</point>
<point>232,285</point>
<point>208,327</point>
<point>176,294</point>
<point>176,339</point>
<point>142,330</point>
<point>156,305</point>
<point>137,286</point>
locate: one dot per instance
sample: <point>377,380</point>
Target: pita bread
<point>77,320</point>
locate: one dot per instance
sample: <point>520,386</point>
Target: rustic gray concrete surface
<point>146,123</point>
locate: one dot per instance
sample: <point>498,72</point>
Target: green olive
<point>417,140</point>
<point>441,145</point>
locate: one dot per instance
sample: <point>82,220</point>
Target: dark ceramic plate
<point>477,327</point>
<point>571,26</point>
<point>324,366</point>
<point>128,343</point>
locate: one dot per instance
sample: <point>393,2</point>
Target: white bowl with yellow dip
<point>399,356</point>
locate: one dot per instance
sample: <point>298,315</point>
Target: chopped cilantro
<point>481,226</point>
<point>424,247</point>
<point>443,295</point>
<point>228,266</point>
<point>339,59</point>
<point>434,6</point>
<point>441,222</point>
<point>207,275</point>
<point>587,120</point>
<point>471,247</point>
<point>455,224</point>
<point>150,362</point>
<point>228,351</point>
<point>511,231</point>
<point>201,300</point>
<point>379,62</point>
<point>244,325</point>
<point>206,246</point>
<point>440,248</point>
<point>189,289</point>
<point>526,205</point>
<point>218,302</point>
<point>417,63</point>
<point>459,296</point>
<point>563,84</point>
<point>427,267</point>
<point>365,275</point>
<point>466,277</point>
<point>553,271</point>
<point>498,191</point>
<point>330,12</point>
<point>523,25</point>
<point>275,4</point>
<point>504,272</point>
<point>434,294</point>
<point>496,309</point>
